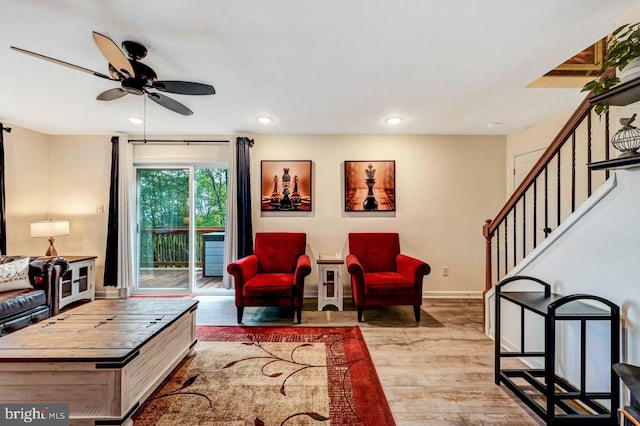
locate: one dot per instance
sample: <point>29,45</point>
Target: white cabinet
<point>330,282</point>
<point>78,283</point>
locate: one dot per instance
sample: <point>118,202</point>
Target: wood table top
<point>101,331</point>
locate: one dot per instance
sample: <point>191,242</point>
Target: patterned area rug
<point>271,376</point>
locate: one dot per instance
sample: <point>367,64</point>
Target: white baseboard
<point>452,294</point>
<point>113,293</point>
<point>311,290</point>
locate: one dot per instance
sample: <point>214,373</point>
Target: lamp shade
<point>49,228</point>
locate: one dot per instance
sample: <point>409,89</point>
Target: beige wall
<point>27,189</point>
<point>446,187</point>
<point>533,138</point>
<point>79,183</point>
<point>57,177</point>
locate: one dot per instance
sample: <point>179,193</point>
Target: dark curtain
<point>245,230</point>
<point>111,256</point>
<point>3,211</point>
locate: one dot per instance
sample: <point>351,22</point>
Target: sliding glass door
<point>181,220</point>
<point>163,229</point>
<point>210,210</point>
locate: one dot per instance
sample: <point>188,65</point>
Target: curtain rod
<point>176,141</point>
<point>6,129</point>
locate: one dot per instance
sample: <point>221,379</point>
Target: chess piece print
<point>370,203</point>
<point>296,198</point>
<point>285,202</point>
<point>286,177</point>
<point>275,195</point>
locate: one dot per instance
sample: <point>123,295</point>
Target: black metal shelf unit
<point>620,95</point>
<point>552,397</point>
<point>616,163</point>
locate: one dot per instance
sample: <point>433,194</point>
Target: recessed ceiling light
<point>136,120</point>
<point>494,124</point>
<point>393,120</point>
<point>265,120</point>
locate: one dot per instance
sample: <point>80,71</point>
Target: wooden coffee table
<point>103,358</point>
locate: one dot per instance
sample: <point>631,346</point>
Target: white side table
<point>79,282</point>
<point>329,281</point>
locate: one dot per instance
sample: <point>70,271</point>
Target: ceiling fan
<point>135,77</point>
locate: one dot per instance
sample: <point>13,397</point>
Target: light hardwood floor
<point>438,372</point>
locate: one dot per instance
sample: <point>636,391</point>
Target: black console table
<point>552,397</point>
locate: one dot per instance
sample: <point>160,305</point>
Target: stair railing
<point>558,182</point>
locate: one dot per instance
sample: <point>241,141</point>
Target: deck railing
<point>559,182</point>
<point>169,247</point>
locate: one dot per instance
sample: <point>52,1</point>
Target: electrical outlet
<point>445,271</point>
<point>99,208</point>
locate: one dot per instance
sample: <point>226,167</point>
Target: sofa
<point>28,290</point>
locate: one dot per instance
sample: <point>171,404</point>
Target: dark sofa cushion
<point>19,301</point>
<point>24,319</point>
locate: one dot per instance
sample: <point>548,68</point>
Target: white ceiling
<point>316,67</point>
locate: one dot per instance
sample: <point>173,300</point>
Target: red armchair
<point>381,276</point>
<point>274,275</point>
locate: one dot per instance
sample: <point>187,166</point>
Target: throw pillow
<point>15,275</point>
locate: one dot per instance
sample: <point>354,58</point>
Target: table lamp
<point>49,229</point>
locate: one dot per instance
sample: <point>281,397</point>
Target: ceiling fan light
<point>136,120</point>
<point>265,119</point>
<point>133,91</point>
<point>393,120</point>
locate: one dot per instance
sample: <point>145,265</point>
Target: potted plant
<point>623,47</point>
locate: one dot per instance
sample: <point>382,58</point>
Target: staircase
<point>556,185</point>
<point>584,225</point>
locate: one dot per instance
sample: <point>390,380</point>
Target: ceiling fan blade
<point>184,87</point>
<point>169,103</point>
<point>114,55</point>
<point>111,94</point>
<point>59,62</point>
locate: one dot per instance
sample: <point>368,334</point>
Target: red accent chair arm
<point>357,276</point>
<point>242,271</point>
<point>303,268</point>
<point>354,266</point>
<point>411,267</point>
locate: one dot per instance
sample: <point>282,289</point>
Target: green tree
<point>164,197</point>
<point>211,197</point>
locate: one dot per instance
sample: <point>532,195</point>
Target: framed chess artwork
<point>369,186</point>
<point>286,185</point>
